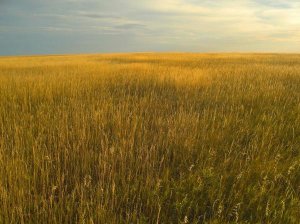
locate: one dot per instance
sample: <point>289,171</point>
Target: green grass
<point>150,138</point>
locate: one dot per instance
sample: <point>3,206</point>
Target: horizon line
<point>149,52</point>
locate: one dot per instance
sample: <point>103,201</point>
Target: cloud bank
<point>74,26</point>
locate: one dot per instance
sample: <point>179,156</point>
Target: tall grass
<point>150,138</point>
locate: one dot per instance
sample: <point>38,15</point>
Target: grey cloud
<point>99,16</point>
<point>130,26</point>
<point>275,4</point>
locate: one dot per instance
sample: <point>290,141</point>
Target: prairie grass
<point>150,138</point>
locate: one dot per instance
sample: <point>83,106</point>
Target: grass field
<point>150,138</point>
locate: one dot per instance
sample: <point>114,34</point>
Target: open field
<point>150,138</point>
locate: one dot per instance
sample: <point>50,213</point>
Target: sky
<point>99,26</point>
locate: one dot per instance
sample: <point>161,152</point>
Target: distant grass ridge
<point>150,138</point>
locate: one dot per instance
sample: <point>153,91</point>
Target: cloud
<point>188,25</point>
<point>56,29</point>
<point>242,19</point>
<point>95,15</point>
<point>275,4</point>
<point>129,26</point>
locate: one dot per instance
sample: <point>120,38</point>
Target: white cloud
<point>258,20</point>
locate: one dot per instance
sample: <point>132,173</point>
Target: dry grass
<point>150,138</point>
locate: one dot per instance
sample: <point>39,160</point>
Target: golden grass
<point>150,138</point>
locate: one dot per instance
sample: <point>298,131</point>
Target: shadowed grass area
<point>150,138</point>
